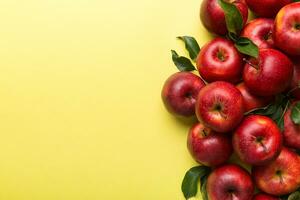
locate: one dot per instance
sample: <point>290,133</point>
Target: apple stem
<point>204,132</point>
<point>250,63</point>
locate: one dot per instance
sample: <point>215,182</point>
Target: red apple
<point>265,197</point>
<point>291,133</point>
<point>208,147</point>
<point>269,74</point>
<point>180,92</point>
<point>213,18</point>
<point>295,84</point>
<point>286,33</point>
<point>257,140</point>
<point>229,182</point>
<point>251,101</point>
<point>260,32</point>
<point>267,8</point>
<point>219,60</point>
<point>281,176</point>
<point>220,106</point>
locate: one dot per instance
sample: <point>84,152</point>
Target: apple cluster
<point>243,90</point>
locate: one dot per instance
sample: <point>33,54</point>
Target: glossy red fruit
<point>219,60</point>
<point>257,140</point>
<point>208,147</point>
<point>251,101</point>
<point>230,182</point>
<point>287,29</point>
<point>269,74</point>
<point>267,8</point>
<point>220,106</point>
<point>264,197</point>
<point>213,18</point>
<point>291,133</point>
<point>260,32</point>
<point>180,92</point>
<point>281,176</point>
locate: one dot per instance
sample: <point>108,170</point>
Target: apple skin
<point>269,74</point>
<point>219,60</point>
<point>257,140</point>
<point>180,92</point>
<point>291,133</point>
<point>260,32</point>
<point>286,33</point>
<point>251,101</point>
<point>264,197</point>
<point>220,106</point>
<point>296,80</point>
<point>229,182</point>
<point>208,147</point>
<point>266,8</point>
<point>213,18</point>
<point>281,176</point>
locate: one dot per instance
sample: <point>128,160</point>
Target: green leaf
<point>267,110</point>
<point>280,123</point>
<point>232,36</point>
<point>182,63</point>
<point>275,110</point>
<point>294,196</point>
<point>191,46</point>
<point>296,0</point>
<point>247,47</point>
<point>296,113</point>
<point>203,182</point>
<point>233,17</point>
<point>191,180</point>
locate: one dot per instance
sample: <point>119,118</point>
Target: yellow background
<point>80,111</point>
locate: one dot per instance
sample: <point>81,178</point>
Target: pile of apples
<point>245,94</point>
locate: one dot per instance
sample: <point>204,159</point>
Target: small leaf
<point>271,109</point>
<point>280,123</point>
<point>191,180</point>
<point>277,114</point>
<point>182,63</point>
<point>191,46</point>
<point>294,196</point>
<point>296,0</point>
<point>247,47</point>
<point>267,110</point>
<point>233,17</point>
<point>296,113</point>
<point>203,182</point>
<point>232,36</point>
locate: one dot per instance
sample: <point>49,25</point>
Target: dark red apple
<point>286,33</point>
<point>229,182</point>
<point>291,133</point>
<point>180,92</point>
<point>281,176</point>
<point>267,8</point>
<point>264,197</point>
<point>219,60</point>
<point>208,147</point>
<point>295,84</point>
<point>260,32</point>
<point>257,140</point>
<point>213,18</point>
<point>220,106</point>
<point>251,101</point>
<point>269,74</point>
